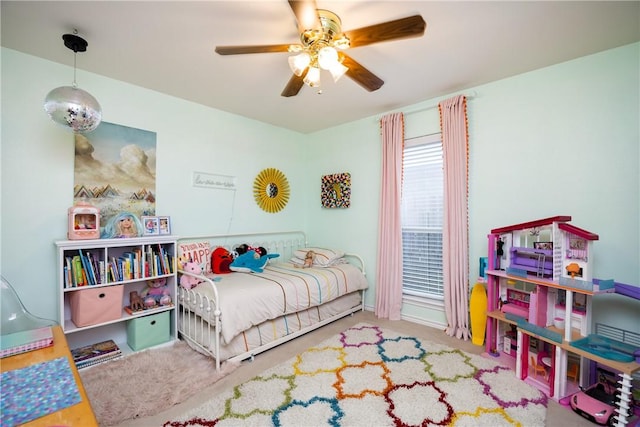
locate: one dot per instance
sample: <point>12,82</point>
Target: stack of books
<point>95,353</point>
<point>23,341</point>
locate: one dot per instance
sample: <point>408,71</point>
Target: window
<point>422,217</point>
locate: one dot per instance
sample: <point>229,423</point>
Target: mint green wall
<point>557,141</point>
<point>38,161</point>
<point>560,140</point>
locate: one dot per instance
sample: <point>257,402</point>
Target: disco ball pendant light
<point>70,106</point>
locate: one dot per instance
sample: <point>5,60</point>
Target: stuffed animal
<point>220,260</point>
<point>187,281</point>
<point>156,293</point>
<point>308,259</point>
<point>251,262</point>
<point>244,248</point>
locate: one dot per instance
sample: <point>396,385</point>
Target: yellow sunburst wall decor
<point>271,190</point>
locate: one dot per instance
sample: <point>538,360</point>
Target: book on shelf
<point>95,351</point>
<point>23,341</point>
<point>90,362</point>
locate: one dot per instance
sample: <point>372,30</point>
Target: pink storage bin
<point>93,306</point>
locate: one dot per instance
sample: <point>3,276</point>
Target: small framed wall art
<point>151,226</point>
<point>156,225</point>
<point>335,190</point>
<point>165,224</point>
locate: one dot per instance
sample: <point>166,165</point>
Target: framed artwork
<point>543,245</point>
<point>335,190</point>
<point>151,226</point>
<point>98,154</point>
<point>164,224</point>
<point>577,243</point>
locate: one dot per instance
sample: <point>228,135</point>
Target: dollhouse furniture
<point>518,264</point>
<point>237,315</point>
<point>538,369</point>
<point>79,414</point>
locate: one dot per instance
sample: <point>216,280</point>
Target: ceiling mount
<point>75,42</point>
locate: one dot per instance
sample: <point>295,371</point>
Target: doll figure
<point>308,259</point>
<point>124,224</point>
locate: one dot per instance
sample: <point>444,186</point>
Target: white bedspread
<point>248,299</point>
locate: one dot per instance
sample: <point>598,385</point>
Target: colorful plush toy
<point>220,260</point>
<point>156,293</point>
<point>187,281</point>
<point>251,262</point>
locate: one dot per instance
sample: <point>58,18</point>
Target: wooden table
<point>78,415</point>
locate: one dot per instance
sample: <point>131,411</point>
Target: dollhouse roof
<point>533,224</point>
<point>578,231</point>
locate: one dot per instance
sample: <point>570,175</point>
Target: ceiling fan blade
<point>413,26</point>
<point>295,84</point>
<point>240,50</point>
<point>361,75</point>
<point>306,14</point>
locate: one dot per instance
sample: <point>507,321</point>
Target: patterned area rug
<point>369,376</point>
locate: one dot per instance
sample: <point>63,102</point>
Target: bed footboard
<point>192,327</point>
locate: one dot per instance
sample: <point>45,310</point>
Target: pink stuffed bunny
<point>187,281</point>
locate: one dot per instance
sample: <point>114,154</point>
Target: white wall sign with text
<point>210,180</point>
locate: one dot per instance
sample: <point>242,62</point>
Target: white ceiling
<point>168,46</point>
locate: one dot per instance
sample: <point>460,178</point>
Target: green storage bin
<point>147,331</point>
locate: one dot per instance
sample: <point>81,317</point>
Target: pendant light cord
<point>75,54</point>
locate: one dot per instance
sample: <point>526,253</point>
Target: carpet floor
<point>373,376</point>
<point>557,415</point>
<point>147,382</point>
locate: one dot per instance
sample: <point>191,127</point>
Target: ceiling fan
<point>322,45</point>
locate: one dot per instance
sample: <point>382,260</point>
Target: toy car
<point>597,402</point>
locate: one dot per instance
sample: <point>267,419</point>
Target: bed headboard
<point>279,242</point>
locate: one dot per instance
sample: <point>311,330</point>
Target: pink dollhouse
<point>539,291</point>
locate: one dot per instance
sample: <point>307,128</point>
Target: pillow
<point>297,262</point>
<point>324,257</point>
<point>198,252</point>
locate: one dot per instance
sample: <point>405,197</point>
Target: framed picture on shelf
<point>164,224</point>
<point>543,245</point>
<point>151,226</point>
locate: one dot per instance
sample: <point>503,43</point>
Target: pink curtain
<point>389,272</point>
<point>455,239</point>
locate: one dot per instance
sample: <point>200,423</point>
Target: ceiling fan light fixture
<point>312,78</point>
<point>299,63</point>
<point>327,57</point>
<point>337,70</point>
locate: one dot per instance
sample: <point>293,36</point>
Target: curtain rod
<point>473,94</point>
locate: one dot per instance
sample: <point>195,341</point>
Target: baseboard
<point>413,319</point>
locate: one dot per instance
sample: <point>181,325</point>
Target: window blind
<point>422,217</point>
